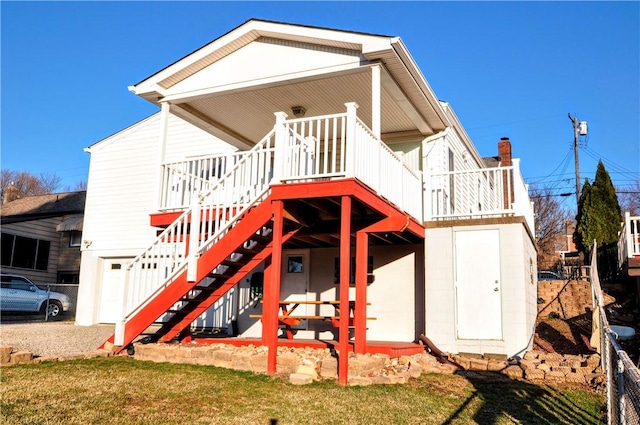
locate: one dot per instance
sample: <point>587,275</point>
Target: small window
<point>294,264</point>
<point>75,238</point>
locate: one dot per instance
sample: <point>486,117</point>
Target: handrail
<point>482,192</point>
<point>628,238</point>
<point>181,180</point>
<point>221,207</point>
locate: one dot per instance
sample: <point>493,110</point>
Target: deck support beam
<point>360,311</point>
<point>345,277</point>
<point>271,294</point>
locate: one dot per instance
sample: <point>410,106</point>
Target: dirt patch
<point>572,336</point>
<point>555,335</point>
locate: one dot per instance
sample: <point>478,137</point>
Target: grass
<point>122,390</point>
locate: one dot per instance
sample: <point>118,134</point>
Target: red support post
<point>271,294</point>
<point>360,312</point>
<point>345,261</point>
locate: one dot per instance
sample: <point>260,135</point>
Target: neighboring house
<point>42,235</point>
<point>629,249</point>
<point>308,168</point>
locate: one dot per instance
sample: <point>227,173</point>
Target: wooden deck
<point>390,348</point>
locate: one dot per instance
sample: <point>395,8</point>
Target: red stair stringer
<point>241,232</point>
<point>264,254</point>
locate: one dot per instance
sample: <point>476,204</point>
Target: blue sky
<point>511,69</point>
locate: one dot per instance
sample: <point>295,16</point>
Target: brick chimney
<point>504,151</point>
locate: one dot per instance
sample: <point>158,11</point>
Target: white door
<point>478,291</point>
<point>295,281</point>
<point>112,276</point>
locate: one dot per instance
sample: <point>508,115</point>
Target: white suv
<point>18,293</point>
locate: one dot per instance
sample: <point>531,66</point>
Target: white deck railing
<point>628,239</point>
<point>315,149</point>
<point>210,217</point>
<point>181,180</point>
<point>479,193</point>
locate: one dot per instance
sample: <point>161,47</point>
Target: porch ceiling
<point>320,218</point>
<point>319,214</point>
<point>248,114</point>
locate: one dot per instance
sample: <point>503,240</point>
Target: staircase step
<point>237,263</point>
<point>260,238</point>
<point>249,251</point>
<point>224,276</point>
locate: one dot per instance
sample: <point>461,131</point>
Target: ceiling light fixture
<point>298,111</point>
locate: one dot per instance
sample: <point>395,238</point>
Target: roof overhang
<point>408,104</point>
<point>72,224</point>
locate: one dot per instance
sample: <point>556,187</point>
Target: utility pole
<point>574,121</point>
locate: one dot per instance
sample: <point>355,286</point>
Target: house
<point>304,185</point>
<point>629,249</point>
<point>41,238</point>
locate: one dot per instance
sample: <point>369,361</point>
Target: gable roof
<point>42,206</point>
<point>256,34</point>
<point>407,88</point>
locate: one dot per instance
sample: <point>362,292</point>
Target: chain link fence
<point>622,376</point>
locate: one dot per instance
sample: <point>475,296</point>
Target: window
<point>75,238</point>
<point>294,264</point>
<point>25,253</point>
<point>336,271</point>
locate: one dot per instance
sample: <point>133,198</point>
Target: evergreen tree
<point>580,236</point>
<point>599,214</point>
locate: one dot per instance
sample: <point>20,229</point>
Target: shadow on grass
<point>496,397</point>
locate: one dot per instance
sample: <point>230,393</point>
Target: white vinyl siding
<point>123,180</point>
<point>122,192</point>
<point>410,152</point>
<point>267,59</point>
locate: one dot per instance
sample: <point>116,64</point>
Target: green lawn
<point>122,390</point>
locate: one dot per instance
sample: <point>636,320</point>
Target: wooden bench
<point>288,320</point>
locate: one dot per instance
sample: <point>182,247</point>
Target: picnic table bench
<point>288,319</point>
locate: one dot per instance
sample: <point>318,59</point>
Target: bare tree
<point>551,225</point>
<point>81,185</point>
<point>27,184</point>
<point>629,198</point>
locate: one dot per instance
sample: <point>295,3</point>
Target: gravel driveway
<point>53,338</point>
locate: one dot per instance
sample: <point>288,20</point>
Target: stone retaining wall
<point>565,299</point>
<point>539,365</point>
<point>304,365</point>
<point>10,357</point>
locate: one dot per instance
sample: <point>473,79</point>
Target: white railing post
<point>194,239</point>
<point>350,145</point>
<point>629,237</point>
<point>375,100</point>
<point>118,337</point>
<point>164,125</point>
<point>280,147</point>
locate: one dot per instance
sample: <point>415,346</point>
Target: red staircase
<point>219,269</point>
